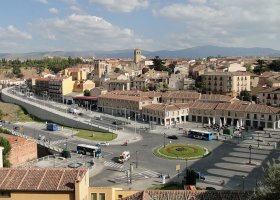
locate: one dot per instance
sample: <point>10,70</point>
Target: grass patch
<point>22,116</point>
<point>167,187</point>
<point>181,151</point>
<point>97,136</point>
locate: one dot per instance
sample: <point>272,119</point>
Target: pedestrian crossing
<point>56,142</point>
<point>136,176</point>
<point>113,164</point>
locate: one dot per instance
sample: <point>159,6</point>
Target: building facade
<point>227,83</point>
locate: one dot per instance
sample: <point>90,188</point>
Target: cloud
<point>122,5</point>
<point>43,1</point>
<point>53,10</point>
<point>89,32</point>
<point>226,22</point>
<point>13,33</point>
<point>75,8</point>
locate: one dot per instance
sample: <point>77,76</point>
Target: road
<point>228,160</point>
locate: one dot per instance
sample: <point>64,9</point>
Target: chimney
<point>1,156</point>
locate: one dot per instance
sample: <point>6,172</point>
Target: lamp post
<point>258,139</point>
<point>164,140</point>
<point>136,156</point>
<point>243,183</point>
<point>250,151</point>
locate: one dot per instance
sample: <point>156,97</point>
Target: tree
<point>245,95</point>
<point>270,189</point>
<point>86,92</point>
<point>7,148</point>
<point>274,65</point>
<point>171,68</point>
<point>248,67</point>
<point>158,64</point>
<point>261,67</point>
<point>190,178</point>
<point>200,84</point>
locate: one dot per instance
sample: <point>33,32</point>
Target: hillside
<point>194,52</point>
<point>27,73</point>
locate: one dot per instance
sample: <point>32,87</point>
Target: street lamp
<point>250,151</point>
<point>258,139</point>
<point>164,134</point>
<point>136,155</point>
<point>243,183</point>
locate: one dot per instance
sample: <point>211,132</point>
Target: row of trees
<point>263,66</point>
<point>53,64</point>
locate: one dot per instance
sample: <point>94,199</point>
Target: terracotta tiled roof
<point>167,107</point>
<point>204,106</point>
<point>73,69</point>
<point>257,108</point>
<point>39,179</point>
<point>227,74</point>
<point>215,97</point>
<point>187,194</point>
<point>181,94</point>
<point>124,97</point>
<point>271,90</point>
<point>233,107</point>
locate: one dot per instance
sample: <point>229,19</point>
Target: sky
<point>80,25</point>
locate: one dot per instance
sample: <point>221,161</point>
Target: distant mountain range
<point>194,52</point>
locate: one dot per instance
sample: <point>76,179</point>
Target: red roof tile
<point>39,179</point>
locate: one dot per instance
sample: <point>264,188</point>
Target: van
<point>125,156</point>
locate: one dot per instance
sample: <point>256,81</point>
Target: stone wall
<point>48,113</point>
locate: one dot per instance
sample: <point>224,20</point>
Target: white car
<point>103,144</point>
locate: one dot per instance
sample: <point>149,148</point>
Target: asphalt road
<point>228,160</point>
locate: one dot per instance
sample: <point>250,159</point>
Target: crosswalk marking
<point>151,173</point>
<point>60,141</point>
<point>137,176</point>
<point>113,165</point>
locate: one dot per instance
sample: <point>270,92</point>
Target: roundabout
<point>181,151</point>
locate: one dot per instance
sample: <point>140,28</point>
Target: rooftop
<point>189,194</point>
<point>39,179</point>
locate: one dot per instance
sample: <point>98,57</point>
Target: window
<point>228,113</point>
<point>120,196</point>
<point>93,196</point>
<point>101,196</point>
<point>5,194</point>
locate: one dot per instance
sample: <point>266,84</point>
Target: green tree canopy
<point>245,95</point>
<point>158,64</point>
<point>86,92</point>
<point>261,67</point>
<point>7,148</point>
<point>270,188</point>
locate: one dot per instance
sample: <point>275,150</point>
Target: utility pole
<point>136,159</point>
<point>130,172</point>
<point>250,151</point>
<point>164,140</point>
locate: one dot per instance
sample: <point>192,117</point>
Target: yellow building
<point>228,83</point>
<point>77,74</point>
<point>81,86</point>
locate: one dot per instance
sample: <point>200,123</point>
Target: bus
<point>95,151</point>
<point>201,135</point>
<point>52,127</point>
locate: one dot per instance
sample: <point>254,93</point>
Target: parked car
<point>174,137</point>
<point>118,123</point>
<point>41,137</point>
<point>103,144</point>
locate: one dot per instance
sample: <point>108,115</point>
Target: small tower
<point>137,55</point>
<point>99,68</point>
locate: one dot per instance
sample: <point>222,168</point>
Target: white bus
<point>93,150</point>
